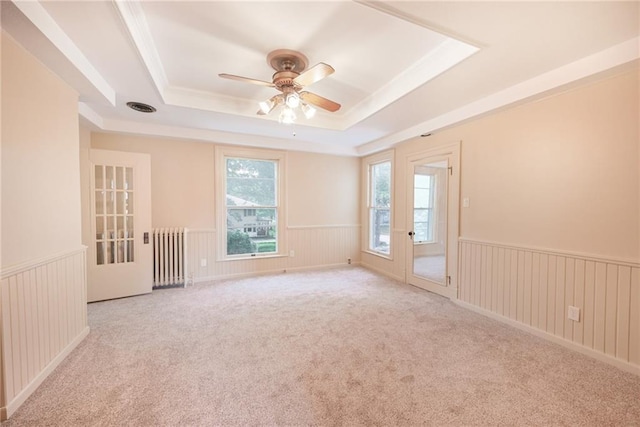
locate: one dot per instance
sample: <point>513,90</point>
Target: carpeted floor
<point>336,347</point>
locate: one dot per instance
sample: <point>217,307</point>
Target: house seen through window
<point>251,206</point>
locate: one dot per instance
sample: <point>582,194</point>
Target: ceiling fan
<point>291,78</point>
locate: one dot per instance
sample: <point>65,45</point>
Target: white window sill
<point>246,257</point>
<point>379,254</point>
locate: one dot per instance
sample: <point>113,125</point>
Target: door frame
<point>451,150</point>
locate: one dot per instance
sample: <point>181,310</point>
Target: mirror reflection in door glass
<point>430,221</point>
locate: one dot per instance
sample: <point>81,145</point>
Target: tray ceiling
<point>402,68</point>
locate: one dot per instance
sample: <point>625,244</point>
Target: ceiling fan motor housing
<point>284,79</point>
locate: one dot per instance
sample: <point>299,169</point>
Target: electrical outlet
<point>574,313</point>
<point>292,253</point>
<point>465,202</point>
<point>348,260</point>
<point>203,262</point>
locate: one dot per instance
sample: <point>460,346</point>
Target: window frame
<point>367,168</point>
<point>280,158</point>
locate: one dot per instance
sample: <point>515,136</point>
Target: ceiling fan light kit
<point>290,78</point>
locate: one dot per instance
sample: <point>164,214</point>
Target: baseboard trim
<point>17,401</point>
<point>268,272</point>
<point>620,364</point>
<point>383,272</point>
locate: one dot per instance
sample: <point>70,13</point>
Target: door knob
<point>411,234</point>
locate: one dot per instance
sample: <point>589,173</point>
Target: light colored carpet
<point>336,347</point>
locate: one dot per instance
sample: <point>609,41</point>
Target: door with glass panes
<point>120,256</point>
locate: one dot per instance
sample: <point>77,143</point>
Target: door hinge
<point>450,170</point>
<point>449,280</point>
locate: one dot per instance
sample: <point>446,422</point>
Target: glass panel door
<point>114,220</point>
<point>430,221</point>
<point>120,256</point>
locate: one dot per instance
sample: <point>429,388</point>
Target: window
<point>423,197</point>
<point>250,199</point>
<point>379,205</point>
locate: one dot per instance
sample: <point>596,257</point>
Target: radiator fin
<point>168,257</point>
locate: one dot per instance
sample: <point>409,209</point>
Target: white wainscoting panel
<point>323,246</point>
<point>44,317</point>
<point>312,246</point>
<point>535,287</point>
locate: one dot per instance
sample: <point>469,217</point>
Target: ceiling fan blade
<point>318,101</point>
<point>314,74</point>
<point>246,80</point>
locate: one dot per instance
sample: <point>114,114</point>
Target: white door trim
<point>451,150</point>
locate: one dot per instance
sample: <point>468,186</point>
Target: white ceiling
<point>402,67</point>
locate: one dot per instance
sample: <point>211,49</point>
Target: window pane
<point>379,213</point>
<point>422,231</point>
<point>120,202</point>
<point>421,198</point>
<point>120,251</point>
<point>421,215</point>
<point>99,202</point>
<point>110,182</point>
<point>110,202</point>
<point>100,253</point>
<point>129,250</point>
<point>99,227</point>
<point>120,227</point>
<point>251,231</point>
<point>119,178</point>
<point>128,202</point>
<point>130,227</point>
<point>380,183</point>
<point>128,181</point>
<point>99,177</point>
<point>422,181</point>
<point>380,236</point>
<point>251,182</point>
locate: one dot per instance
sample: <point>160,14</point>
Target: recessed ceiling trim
<point>448,54</point>
<point>615,56</point>
<point>134,20</point>
<point>39,17</point>
<point>220,137</point>
<point>389,10</point>
<point>87,112</point>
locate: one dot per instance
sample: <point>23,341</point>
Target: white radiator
<point>169,255</point>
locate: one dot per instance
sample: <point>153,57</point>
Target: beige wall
<point>322,189</point>
<point>182,178</point>
<point>322,205</point>
<point>554,217</point>
<point>43,262</point>
<point>40,168</point>
<point>561,173</point>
